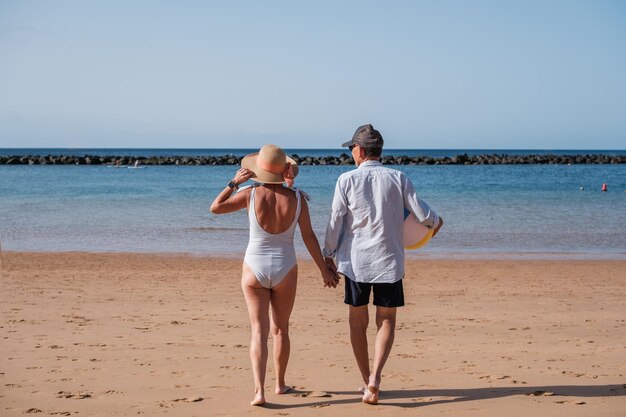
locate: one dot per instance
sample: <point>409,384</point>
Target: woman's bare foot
<point>283,389</point>
<point>371,395</point>
<point>259,398</point>
<point>363,388</point>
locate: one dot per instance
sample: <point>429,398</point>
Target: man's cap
<point>367,137</point>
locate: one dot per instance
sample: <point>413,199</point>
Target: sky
<point>239,74</point>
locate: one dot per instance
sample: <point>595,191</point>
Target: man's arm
<point>333,230</point>
<point>418,207</point>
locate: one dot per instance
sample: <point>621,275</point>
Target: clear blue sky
<point>428,74</point>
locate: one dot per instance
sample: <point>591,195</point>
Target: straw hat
<point>271,166</point>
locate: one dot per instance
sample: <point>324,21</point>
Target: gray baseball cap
<point>367,137</point>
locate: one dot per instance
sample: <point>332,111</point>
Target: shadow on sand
<point>424,397</point>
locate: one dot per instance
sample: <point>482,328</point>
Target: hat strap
<point>286,170</point>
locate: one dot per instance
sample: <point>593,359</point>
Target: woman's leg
<point>282,299</point>
<point>258,302</point>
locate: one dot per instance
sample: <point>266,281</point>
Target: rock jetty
<point>343,159</point>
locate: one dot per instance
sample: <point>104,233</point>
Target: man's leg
<point>359,319</point>
<point>386,323</point>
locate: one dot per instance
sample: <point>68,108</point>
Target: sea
<point>490,211</point>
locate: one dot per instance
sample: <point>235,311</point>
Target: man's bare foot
<point>283,389</point>
<point>371,395</point>
<point>259,398</point>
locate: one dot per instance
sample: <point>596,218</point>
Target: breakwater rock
<point>343,159</point>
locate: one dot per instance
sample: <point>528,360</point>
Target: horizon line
<point>389,149</point>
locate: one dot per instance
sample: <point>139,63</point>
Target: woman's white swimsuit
<point>270,255</point>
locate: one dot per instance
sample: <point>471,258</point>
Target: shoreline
<point>409,255</point>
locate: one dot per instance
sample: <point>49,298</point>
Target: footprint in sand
<point>169,404</point>
<point>33,410</point>
<point>318,394</point>
<point>577,375</point>
<point>81,395</point>
<point>189,399</point>
<point>193,399</point>
<point>111,392</point>
<point>237,368</point>
<point>571,402</point>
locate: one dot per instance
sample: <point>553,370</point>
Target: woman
<point>270,272</point>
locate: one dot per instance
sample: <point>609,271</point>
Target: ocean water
<point>513,210</point>
<point>435,153</point>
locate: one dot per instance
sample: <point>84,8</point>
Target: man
<point>364,236</point>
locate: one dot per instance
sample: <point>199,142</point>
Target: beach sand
<point>129,334</point>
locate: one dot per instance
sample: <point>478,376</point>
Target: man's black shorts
<point>385,295</point>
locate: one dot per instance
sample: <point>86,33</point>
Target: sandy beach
<point>128,334</point>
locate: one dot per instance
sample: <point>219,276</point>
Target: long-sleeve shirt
<point>365,231</point>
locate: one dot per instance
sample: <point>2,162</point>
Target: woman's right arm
<point>224,204</point>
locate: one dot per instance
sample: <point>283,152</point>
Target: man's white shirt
<point>365,231</point>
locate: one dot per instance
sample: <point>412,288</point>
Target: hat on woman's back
<point>271,166</point>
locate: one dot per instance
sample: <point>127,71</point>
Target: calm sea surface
<point>438,153</point>
<point>524,210</point>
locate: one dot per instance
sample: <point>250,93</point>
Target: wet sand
<point>129,334</point>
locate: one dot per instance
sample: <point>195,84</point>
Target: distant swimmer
<point>136,165</point>
<point>604,187</point>
<point>582,188</point>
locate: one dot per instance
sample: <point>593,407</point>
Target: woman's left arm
<point>310,241</point>
<point>223,203</point>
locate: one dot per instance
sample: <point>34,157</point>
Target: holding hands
<point>330,275</point>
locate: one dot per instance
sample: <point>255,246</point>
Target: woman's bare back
<point>275,207</point>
